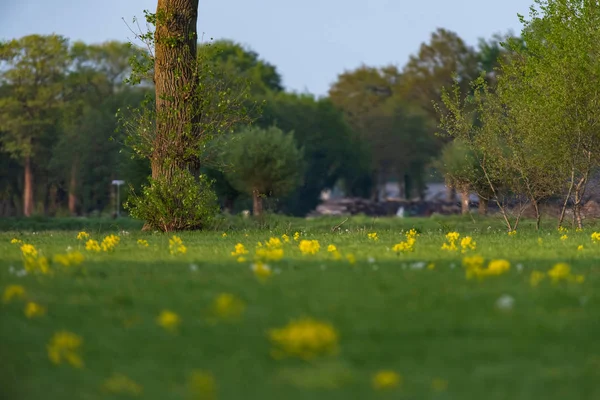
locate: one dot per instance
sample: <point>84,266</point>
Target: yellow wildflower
<point>239,250</point>
<point>92,245</point>
<point>536,277</point>
<point>497,267</point>
<point>69,259</point>
<point>451,239</point>
<point>473,266</point>
<point>176,245</point>
<point>467,243</point>
<point>261,270</point>
<point>121,384</point>
<point>580,247</point>
<point>16,241</point>
<point>431,266</point>
<point>309,246</point>
<point>373,236</point>
<point>540,241</point>
<point>33,309</point>
<point>202,385</point>
<point>65,346</point>
<point>83,235</point>
<point>386,380</point>
<point>331,248</point>
<point>224,234</point>
<point>13,292</point>
<point>241,259</point>
<point>512,233</point>
<point>268,254</point>
<point>296,236</point>
<point>406,246</point>
<point>596,237</point>
<point>110,242</point>
<point>562,229</point>
<point>304,338</point>
<point>227,306</point>
<point>168,320</point>
<point>286,238</point>
<point>564,237</point>
<point>560,272</point>
<point>351,258</point>
<point>37,265</point>
<point>273,243</point>
<point>29,250</point>
<point>142,243</point>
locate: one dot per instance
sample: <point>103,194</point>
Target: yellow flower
<point>536,277</point>
<point>176,246</point>
<point>110,242</point>
<point>512,233</point>
<point>473,266</point>
<point>309,246</point>
<point>37,265</point>
<point>286,238</point>
<point>331,248</point>
<point>304,338</point>
<point>268,254</point>
<point>16,241</point>
<point>596,237</point>
<point>202,385</point>
<point>168,320</point>
<point>431,266</point>
<point>224,235</point>
<point>580,247</point>
<point>65,346</point>
<point>13,292</point>
<point>386,380</point>
<point>451,239</point>
<point>69,259</point>
<point>498,267</point>
<point>296,236</point>
<point>373,236</point>
<point>33,309</point>
<point>239,250</point>
<point>241,259</point>
<point>562,229</point>
<point>560,272</point>
<point>467,243</point>
<point>29,250</point>
<point>540,241</point>
<point>142,243</point>
<point>92,245</point>
<point>273,243</point>
<point>121,384</point>
<point>83,235</point>
<point>351,259</point>
<point>564,237</point>
<point>227,306</point>
<point>261,270</point>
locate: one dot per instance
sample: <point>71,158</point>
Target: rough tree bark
<point>175,80</point>
<point>483,205</point>
<point>257,203</point>
<point>464,200</point>
<point>28,189</point>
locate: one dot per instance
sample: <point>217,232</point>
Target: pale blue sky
<point>310,41</point>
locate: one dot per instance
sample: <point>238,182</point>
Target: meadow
<point>321,309</point>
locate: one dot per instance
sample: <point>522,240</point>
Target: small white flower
<point>11,270</point>
<point>277,270</point>
<point>418,265</point>
<point>452,265</point>
<point>254,267</point>
<point>193,267</point>
<point>519,267</point>
<point>371,260</point>
<point>68,249</point>
<point>505,302</point>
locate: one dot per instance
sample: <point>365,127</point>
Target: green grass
<point>424,324</point>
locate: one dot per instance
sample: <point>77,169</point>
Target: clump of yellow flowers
<point>512,232</point>
<point>467,244</point>
<point>13,292</point>
<point>309,247</point>
<point>332,249</point>
<point>92,245</point>
<point>72,258</point>
<point>407,246</point>
<point>142,243</point>
<point>122,384</point>
<point>33,309</point>
<point>83,235</point>
<point>110,242</point>
<point>227,306</point>
<point>305,339</point>
<point>65,346</point>
<point>560,272</point>
<point>261,270</point>
<point>451,239</point>
<point>596,237</point>
<point>271,250</point>
<point>202,385</point>
<point>168,320</point>
<point>33,262</point>
<point>176,246</point>
<point>386,379</point>
<point>474,267</point>
<point>373,236</point>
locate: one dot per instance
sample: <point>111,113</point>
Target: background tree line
<point>60,105</point>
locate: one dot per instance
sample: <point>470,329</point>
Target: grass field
<point>401,326</point>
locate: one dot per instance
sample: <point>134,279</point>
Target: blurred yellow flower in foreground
<point>33,310</point>
<point>227,306</point>
<point>12,292</point>
<point>92,245</point>
<point>142,243</point>
<point>15,241</point>
<point>121,384</point>
<point>202,385</point>
<point>261,270</point>
<point>373,236</point>
<point>69,259</point>
<point>168,320</point>
<point>176,245</point>
<point>110,242</point>
<point>304,338</point>
<point>83,235</point>
<point>65,346</point>
<point>29,250</point>
<point>309,246</point>
<point>386,379</point>
<point>439,385</point>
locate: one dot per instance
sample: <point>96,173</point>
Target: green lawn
<point>444,335</point>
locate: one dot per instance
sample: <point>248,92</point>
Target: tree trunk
<point>464,201</point>
<point>28,189</point>
<point>257,205</point>
<point>483,206</point>
<point>175,82</point>
<point>450,191</point>
<point>73,190</point>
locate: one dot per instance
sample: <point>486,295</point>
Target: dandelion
<point>65,346</point>
<point>304,338</point>
<point>92,245</point>
<point>564,237</point>
<point>16,241</point>
<point>142,243</point>
<point>121,384</point>
<point>386,379</point>
<point>168,320</point>
<point>261,270</point>
<point>110,242</point>
<point>239,250</point>
<point>467,243</point>
<point>83,235</point>
<point>351,258</point>
<point>451,239</point>
<point>373,236</point>
<point>536,277</point>
<point>331,248</point>
<point>29,250</point>
<point>176,246</point>
<point>309,246</point>
<point>296,236</point>
<point>12,292</point>
<point>33,310</point>
<point>202,385</point>
<point>286,238</point>
<point>227,306</point>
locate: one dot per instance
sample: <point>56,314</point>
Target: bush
<point>180,202</point>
